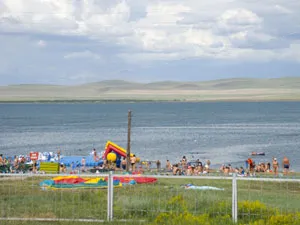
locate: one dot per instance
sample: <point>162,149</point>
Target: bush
<point>254,211</point>
<point>182,218</point>
<point>177,204</point>
<point>288,219</point>
<point>257,214</point>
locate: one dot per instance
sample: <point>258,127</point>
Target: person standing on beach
<point>246,165</point>
<point>96,158</point>
<point>133,161</point>
<point>275,166</point>
<point>124,163</point>
<point>34,166</point>
<point>168,166</point>
<point>286,165</point>
<point>251,167</point>
<point>83,162</point>
<point>158,165</point>
<point>184,163</point>
<point>58,155</point>
<point>73,167</point>
<point>207,165</point>
<point>1,160</point>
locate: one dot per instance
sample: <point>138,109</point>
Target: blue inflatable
<point>89,160</point>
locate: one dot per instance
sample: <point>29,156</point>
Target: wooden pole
<point>128,141</point>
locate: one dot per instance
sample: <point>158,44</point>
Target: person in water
<point>286,165</point>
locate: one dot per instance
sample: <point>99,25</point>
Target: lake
<point>224,132</point>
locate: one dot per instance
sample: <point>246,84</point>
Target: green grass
<point>25,199</point>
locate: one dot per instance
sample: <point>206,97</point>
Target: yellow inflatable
<point>111,157</point>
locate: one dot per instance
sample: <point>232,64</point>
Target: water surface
<point>222,132</point>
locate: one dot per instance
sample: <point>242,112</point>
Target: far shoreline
<point>133,101</point>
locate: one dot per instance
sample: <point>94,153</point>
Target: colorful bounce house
<point>114,152</point>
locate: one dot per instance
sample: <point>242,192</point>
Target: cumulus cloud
<point>151,31</point>
<point>237,20</point>
<point>161,29</point>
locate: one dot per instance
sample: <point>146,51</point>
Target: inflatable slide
<point>114,151</point>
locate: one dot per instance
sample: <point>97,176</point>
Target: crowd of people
<point>119,164</point>
<point>13,165</point>
<point>189,168</point>
<point>183,167</point>
<point>251,168</point>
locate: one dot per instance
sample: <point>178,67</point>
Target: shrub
<point>182,218</point>
<point>256,213</point>
<point>288,219</point>
<point>254,210</point>
<point>177,205</point>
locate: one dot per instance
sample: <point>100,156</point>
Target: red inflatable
<point>72,180</point>
<point>139,180</point>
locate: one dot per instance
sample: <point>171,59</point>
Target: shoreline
<point>105,101</point>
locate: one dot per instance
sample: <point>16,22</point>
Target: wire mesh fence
<point>261,198</point>
<point>89,197</point>
<point>23,196</point>
<point>171,195</point>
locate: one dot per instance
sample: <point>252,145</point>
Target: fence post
<point>110,196</point>
<point>234,199</point>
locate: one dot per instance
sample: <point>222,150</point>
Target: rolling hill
<point>236,89</point>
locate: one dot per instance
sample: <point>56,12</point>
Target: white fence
<point>22,197</point>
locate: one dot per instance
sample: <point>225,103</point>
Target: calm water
<point>222,132</point>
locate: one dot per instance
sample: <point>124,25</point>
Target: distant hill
<point>236,89</point>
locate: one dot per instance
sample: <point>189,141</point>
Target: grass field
<point>24,198</point>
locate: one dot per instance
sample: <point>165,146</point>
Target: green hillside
<point>236,89</point>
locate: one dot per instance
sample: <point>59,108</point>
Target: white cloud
<point>237,20</point>
<point>164,30</point>
<point>83,55</point>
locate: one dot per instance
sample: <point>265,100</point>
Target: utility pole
<point>128,141</point>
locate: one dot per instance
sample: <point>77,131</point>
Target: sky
<point>81,41</point>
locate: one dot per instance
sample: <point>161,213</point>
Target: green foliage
<point>177,204</point>
<point>254,210</point>
<point>188,218</point>
<point>183,218</point>
<point>165,202</point>
<point>288,219</point>
<point>178,214</point>
<point>222,207</point>
<point>252,213</point>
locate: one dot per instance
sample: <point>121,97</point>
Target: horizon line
<point>151,82</point>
